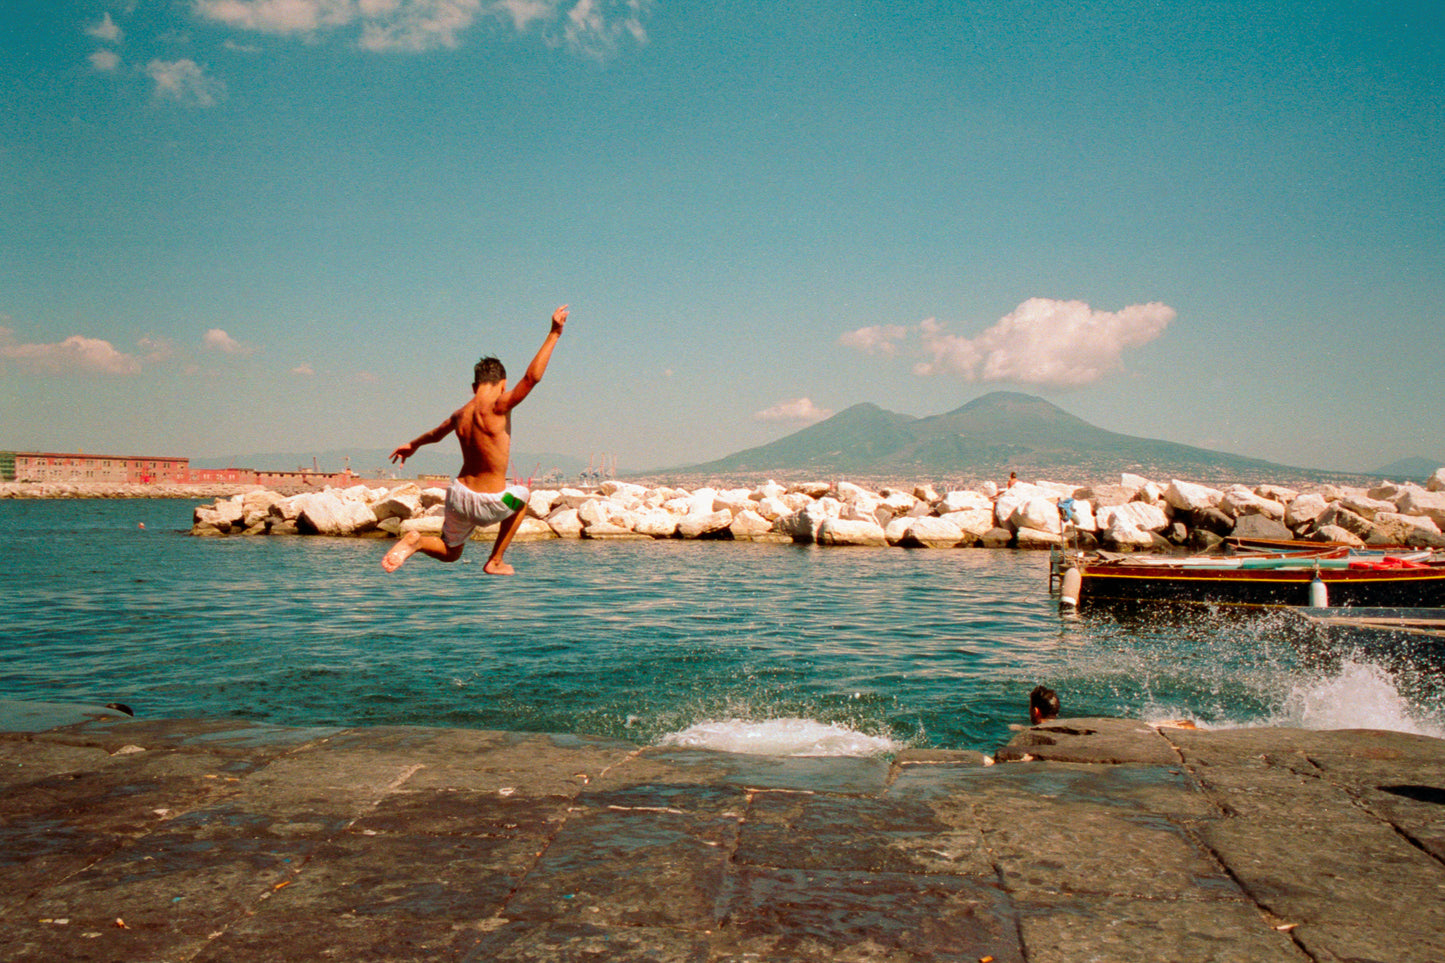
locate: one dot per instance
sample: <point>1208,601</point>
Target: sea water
<point>748,647</point>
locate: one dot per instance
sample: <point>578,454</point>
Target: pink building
<point>49,466</point>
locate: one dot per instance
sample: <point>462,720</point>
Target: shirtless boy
<point>480,495</point>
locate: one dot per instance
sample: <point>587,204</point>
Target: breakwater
<point>80,489</point>
<point>1134,514</point>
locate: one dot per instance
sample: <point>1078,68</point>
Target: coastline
<point>1107,839</point>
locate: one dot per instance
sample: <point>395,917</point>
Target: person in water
<point>1043,705</point>
<point>480,494</point>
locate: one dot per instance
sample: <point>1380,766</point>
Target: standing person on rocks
<point>480,495</point>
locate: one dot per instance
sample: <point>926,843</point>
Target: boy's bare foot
<point>401,551</point>
<point>496,566</point>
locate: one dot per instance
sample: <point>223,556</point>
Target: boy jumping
<point>479,495</point>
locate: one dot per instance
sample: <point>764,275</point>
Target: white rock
<point>1392,528</point>
<point>974,523</point>
<point>1140,515</point>
<point>626,490</point>
<point>958,501</point>
<point>1277,493</point>
<point>1334,533</point>
<point>925,493</point>
<point>565,523</point>
<point>1419,501</point>
<point>899,503</point>
<point>989,490</point>
<point>328,513</point>
<point>1365,506</point>
<point>1010,499</point>
<point>1135,483</point>
<point>733,501</point>
<point>700,502</point>
<point>771,508</point>
<point>541,502</point>
<point>1038,514</point>
<point>1304,509</point>
<point>1082,516</point>
<point>425,525</point>
<point>844,531</point>
<point>897,529</point>
<point>656,522</point>
<point>595,511</point>
<point>802,526</point>
<point>1034,538</point>
<point>847,491</point>
<point>933,533</point>
<point>1437,481</point>
<point>433,496</point>
<point>1189,497</point>
<point>770,489</point>
<point>699,524</point>
<point>748,524</point>
<point>572,498</point>
<point>534,530</point>
<point>1240,500</point>
<point>400,503</point>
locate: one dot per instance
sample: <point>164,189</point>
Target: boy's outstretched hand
<point>559,319</point>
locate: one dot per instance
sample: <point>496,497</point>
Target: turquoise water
<point>714,642</point>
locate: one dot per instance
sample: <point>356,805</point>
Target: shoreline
<point>1090,839</point>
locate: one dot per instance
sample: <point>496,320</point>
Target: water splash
<point>780,737</point>
<point>1361,695</point>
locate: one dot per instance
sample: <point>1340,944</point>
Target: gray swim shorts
<point>466,510</point>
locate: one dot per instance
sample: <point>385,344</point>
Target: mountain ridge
<point>988,437</point>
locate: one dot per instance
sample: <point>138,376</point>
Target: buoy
<point>1319,592</point>
<point>1069,587</point>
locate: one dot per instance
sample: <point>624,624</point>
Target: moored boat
<point>1328,578</point>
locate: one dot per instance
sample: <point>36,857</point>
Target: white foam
<point>780,737</point>
<point>1360,696</point>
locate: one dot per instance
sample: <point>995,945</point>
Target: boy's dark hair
<point>1045,700</point>
<point>488,372</point>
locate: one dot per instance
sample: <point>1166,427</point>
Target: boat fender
<point>1069,587</point>
<point>1319,592</point>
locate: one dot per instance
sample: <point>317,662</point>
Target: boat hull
<point>1371,588</point>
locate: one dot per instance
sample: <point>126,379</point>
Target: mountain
<point>1409,469</point>
<point>987,438</point>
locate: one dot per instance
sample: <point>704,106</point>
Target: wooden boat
<point>1353,579</point>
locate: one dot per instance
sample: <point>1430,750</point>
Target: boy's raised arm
<point>538,367</point>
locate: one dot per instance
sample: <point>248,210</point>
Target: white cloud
<point>799,409</point>
<point>223,342</point>
<point>105,30</point>
<point>877,339</point>
<point>591,27</point>
<point>105,60</point>
<point>524,13</point>
<point>75,353</point>
<point>184,82</point>
<point>304,370</point>
<point>597,28</point>
<point>418,25</point>
<point>1041,342</point>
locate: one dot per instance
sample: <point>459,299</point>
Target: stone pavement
<point>1107,840</point>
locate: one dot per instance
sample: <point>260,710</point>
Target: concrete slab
<point>222,840</point>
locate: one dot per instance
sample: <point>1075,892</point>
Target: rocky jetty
<point>120,490</point>
<point>1135,514</point>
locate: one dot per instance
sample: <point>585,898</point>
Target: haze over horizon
<point>245,225</point>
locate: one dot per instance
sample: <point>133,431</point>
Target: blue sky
<point>231,226</point>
